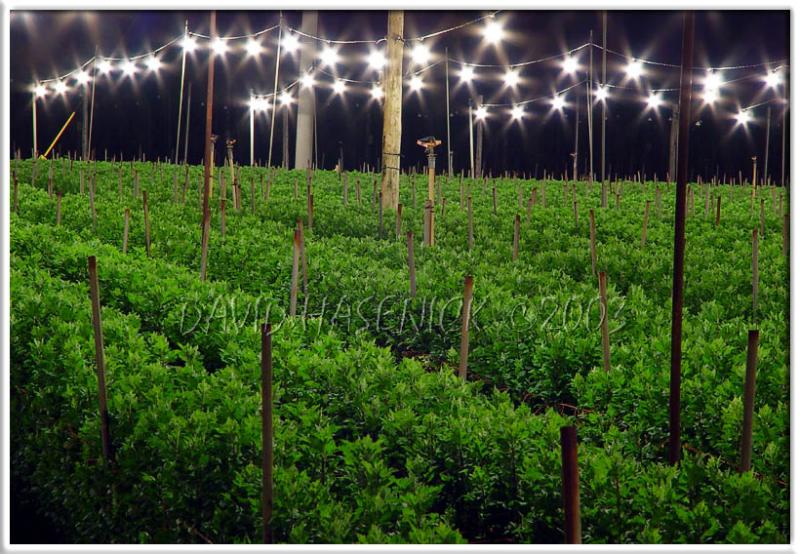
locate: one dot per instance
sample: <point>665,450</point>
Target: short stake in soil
<point>125,229</point>
<point>604,321</point>
<point>465,316</point>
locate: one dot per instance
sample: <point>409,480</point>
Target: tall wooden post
<point>570,485</point>
<point>605,105</point>
<point>208,151</point>
<point>749,401</point>
<point>684,108</point>
<point>392,111</point>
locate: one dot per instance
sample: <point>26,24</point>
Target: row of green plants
<point>366,448</point>
<point>544,368</point>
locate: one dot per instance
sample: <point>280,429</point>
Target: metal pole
<point>285,131</point>
<point>188,121</point>
<point>35,144</point>
<point>447,107</point>
<point>471,145</point>
<point>275,92</point>
<point>252,130</point>
<point>180,97</point>
<point>766,144</point>
<point>589,106</point>
<point>603,122</point>
<point>479,145</point>
<point>85,122</point>
<point>91,110</point>
<point>684,113</point>
<point>783,142</point>
<point>577,127</point>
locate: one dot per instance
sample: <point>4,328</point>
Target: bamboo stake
<point>592,242</point>
<point>754,268</point>
<point>465,316</point>
<point>303,256</point>
<point>125,228</point>
<point>398,221</point>
<point>644,222</point>
<point>749,401</point>
<point>470,237</point>
<point>570,485</point>
<point>146,223</point>
<point>412,274</point>
<point>515,248</point>
<point>604,322</point>
<point>266,433</point>
<point>207,158</point>
<point>100,360</point>
<point>295,270</point>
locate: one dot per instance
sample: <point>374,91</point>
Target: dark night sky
<point>127,117</point>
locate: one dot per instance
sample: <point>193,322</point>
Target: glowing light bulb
<point>61,87</point>
<point>653,101</point>
<point>40,90</point>
<point>558,102</point>
<point>286,98</point>
<point>307,81</point>
<point>517,112</point>
<point>570,65</point>
<point>253,47</point>
<point>634,69</point>
<point>773,78</point>
<point>104,66</point>
<point>710,96</point>
<point>601,93</point>
<point>511,78</point>
<point>153,63</point>
<point>420,54</point>
<point>82,77</point>
<point>481,113</point>
<point>743,118</point>
<point>129,68</point>
<point>329,56</point>
<point>376,60</point>
<point>338,87</point>
<point>713,81</point>
<point>467,74</point>
<point>290,43</point>
<point>376,92</point>
<point>219,46</point>
<point>493,32</point>
<point>189,44</point>
<point>415,84</point>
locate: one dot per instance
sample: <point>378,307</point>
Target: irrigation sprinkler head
<point>429,143</point>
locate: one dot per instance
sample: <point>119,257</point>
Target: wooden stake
<point>398,221</point>
<point>146,223</point>
<point>207,169</point>
<point>266,432</point>
<point>58,208</point>
<point>100,360</point>
<point>575,212</point>
<point>719,211</point>
<point>125,227</point>
<point>515,248</point>
<point>412,274</point>
<point>303,256</point>
<point>604,322</point>
<point>222,203</point>
<point>570,485</point>
<point>644,222</point>
<point>592,243</point>
<point>295,271</point>
<point>465,315</point>
<point>754,268</point>
<point>749,400</point>
<point>494,200</point>
<point>763,227</point>
<point>470,237</point>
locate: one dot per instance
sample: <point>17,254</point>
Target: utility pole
<point>766,144</point>
<point>603,122</point>
<point>479,144</point>
<point>447,109</point>
<point>471,142</point>
<point>392,112</point>
<point>673,143</point>
<point>180,97</point>
<point>684,110</point>
<point>306,98</point>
